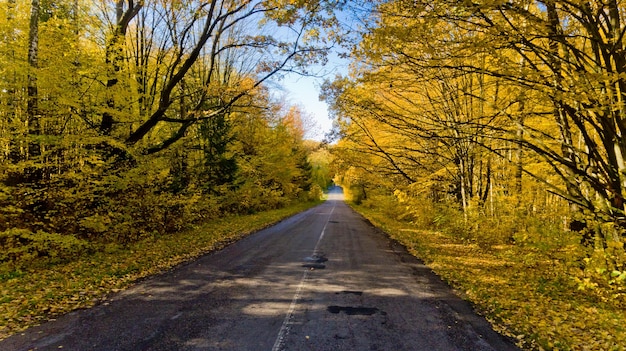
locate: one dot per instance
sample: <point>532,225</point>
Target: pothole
<point>353,311</point>
<point>316,259</point>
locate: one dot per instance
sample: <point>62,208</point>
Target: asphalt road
<point>324,279</point>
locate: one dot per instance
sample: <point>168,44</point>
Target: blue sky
<point>304,91</point>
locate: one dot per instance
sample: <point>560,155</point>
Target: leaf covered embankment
<point>533,294</point>
<point>39,292</point>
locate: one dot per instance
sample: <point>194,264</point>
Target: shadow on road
<point>370,295</point>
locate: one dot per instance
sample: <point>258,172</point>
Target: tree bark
<point>115,57</point>
<point>14,154</point>
<point>32,109</point>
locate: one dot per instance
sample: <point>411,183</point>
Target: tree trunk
<point>115,58</point>
<point>13,152</point>
<point>463,186</point>
<point>32,108</point>
<point>519,151</point>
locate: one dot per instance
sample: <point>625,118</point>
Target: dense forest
<point>497,109</point>
<point>125,120</point>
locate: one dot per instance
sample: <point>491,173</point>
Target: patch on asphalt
<point>353,311</point>
<point>315,261</point>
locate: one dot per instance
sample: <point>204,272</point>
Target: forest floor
<point>526,293</point>
<point>38,292</point>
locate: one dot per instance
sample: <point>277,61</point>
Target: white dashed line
<point>284,328</point>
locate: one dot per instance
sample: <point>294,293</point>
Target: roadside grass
<point>529,294</point>
<point>32,294</point>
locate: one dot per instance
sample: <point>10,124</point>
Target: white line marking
<point>315,250</point>
<point>284,328</point>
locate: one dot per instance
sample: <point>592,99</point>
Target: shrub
<point>315,193</point>
<point>22,245</point>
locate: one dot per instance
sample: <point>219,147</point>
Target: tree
<point>139,107</point>
<point>200,38</point>
<point>32,109</point>
<point>558,64</point>
<point>219,166</point>
<point>125,12</point>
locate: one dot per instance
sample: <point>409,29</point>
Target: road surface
<point>324,279</point>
